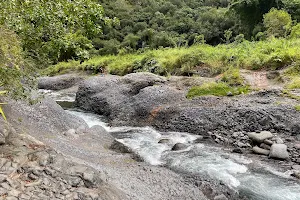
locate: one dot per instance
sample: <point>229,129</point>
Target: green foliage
<point>270,54</point>
<point>297,107</point>
<point>216,89</point>
<point>233,77</point>
<point>13,67</point>
<point>166,23</point>
<point>251,12</point>
<point>295,33</point>
<point>53,30</point>
<point>278,23</point>
<point>294,83</point>
<point>1,110</point>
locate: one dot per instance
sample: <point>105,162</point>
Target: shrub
<point>295,33</point>
<point>277,22</point>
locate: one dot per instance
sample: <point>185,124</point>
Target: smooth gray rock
<point>265,146</point>
<point>261,151</point>
<point>279,151</point>
<point>164,141</point>
<point>179,146</point>
<point>59,82</point>
<point>120,147</point>
<point>260,137</point>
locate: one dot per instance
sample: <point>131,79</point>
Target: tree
<point>47,26</point>
<point>14,69</point>
<point>277,23</point>
<point>251,11</point>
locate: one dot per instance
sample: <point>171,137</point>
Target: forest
<point>167,37</point>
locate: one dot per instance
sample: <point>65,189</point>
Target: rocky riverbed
<point>262,127</point>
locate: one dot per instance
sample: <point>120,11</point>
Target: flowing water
<point>252,179</point>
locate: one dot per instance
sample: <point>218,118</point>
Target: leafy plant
<point>53,30</point>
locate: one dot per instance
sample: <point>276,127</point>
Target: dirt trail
<point>259,80</point>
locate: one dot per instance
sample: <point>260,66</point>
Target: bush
<point>278,23</point>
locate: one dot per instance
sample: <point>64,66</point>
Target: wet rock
<point>279,151</point>
<point>105,138</point>
<point>260,137</point>
<point>265,146</point>
<point>237,150</point>
<point>179,146</point>
<point>120,147</point>
<point>164,141</point>
<point>59,82</point>
<point>261,151</point>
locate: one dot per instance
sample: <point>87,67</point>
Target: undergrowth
<point>271,54</point>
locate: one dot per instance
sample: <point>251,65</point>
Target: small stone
<point>260,137</point>
<point>279,141</point>
<point>164,141</point>
<point>241,145</point>
<point>279,151</point>
<point>229,94</point>
<point>5,186</point>
<point>261,151</point>
<point>32,176</point>
<point>265,146</point>
<point>220,197</point>
<point>289,139</point>
<point>24,196</point>
<point>14,193</point>
<point>296,174</point>
<point>297,146</point>
<point>237,150</point>
<point>179,146</point>
<point>2,178</point>
<point>296,167</point>
<point>235,134</point>
<point>268,142</point>
<point>3,191</point>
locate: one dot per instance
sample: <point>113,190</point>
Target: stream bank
<point>144,99</point>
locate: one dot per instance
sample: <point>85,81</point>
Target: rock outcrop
<point>59,82</point>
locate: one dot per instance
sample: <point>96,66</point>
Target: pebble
<point>265,146</point>
<point>296,167</point>
<point>268,142</point>
<point>261,151</point>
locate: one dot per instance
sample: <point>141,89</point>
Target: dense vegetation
<point>167,37</point>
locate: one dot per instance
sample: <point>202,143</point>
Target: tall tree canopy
<point>53,30</point>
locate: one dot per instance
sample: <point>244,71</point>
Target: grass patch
<point>297,107</point>
<point>216,89</point>
<point>270,54</point>
<point>294,83</point>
